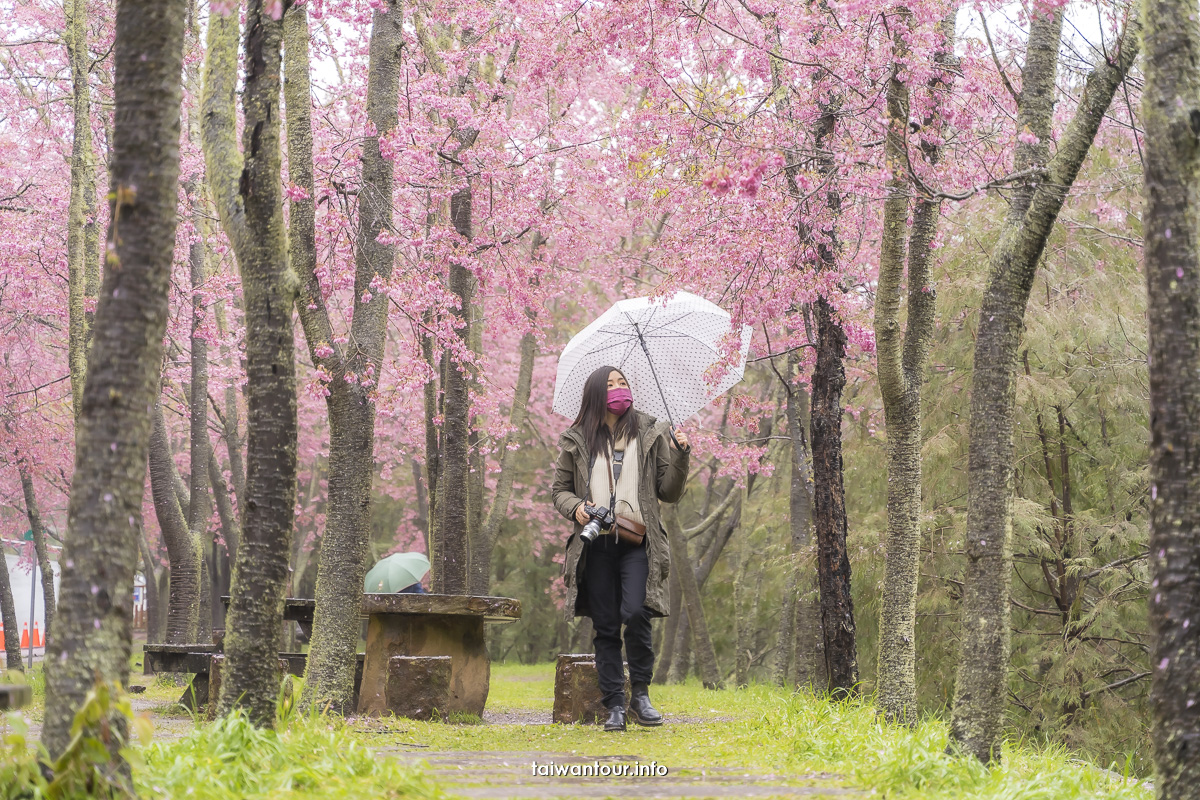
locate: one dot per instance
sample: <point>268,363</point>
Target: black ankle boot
<point>616,719</point>
<point>640,709</point>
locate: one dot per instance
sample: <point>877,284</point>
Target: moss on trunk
<point>1171,110</point>
<point>100,551</point>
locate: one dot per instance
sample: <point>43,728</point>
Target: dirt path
<point>541,774</point>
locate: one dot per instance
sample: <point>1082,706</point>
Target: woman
<point>612,580</point>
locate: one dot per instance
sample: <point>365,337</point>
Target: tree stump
<point>577,696</point>
<point>418,687</point>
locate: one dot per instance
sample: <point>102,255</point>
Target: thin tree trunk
<point>8,616</point>
<point>39,542</point>
<point>92,636</point>
<point>182,547</point>
<point>980,690</point>
<point>451,541</point>
<point>666,649</point>
<point>799,519</point>
<point>706,657</point>
<point>433,439</point>
<point>82,233</point>
<point>230,530</point>
<point>1171,112</point>
<point>153,623</point>
<point>901,360</point>
<point>329,678</point>
<point>200,449</point>
<point>481,554</point>
<point>260,573</point>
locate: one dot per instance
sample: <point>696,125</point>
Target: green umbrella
<point>396,572</point>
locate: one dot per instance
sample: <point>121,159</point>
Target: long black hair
<point>593,409</point>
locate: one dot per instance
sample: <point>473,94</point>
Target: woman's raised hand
<point>680,437</point>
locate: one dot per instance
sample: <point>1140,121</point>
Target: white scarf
<point>627,484</point>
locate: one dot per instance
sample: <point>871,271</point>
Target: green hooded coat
<point>663,471</point>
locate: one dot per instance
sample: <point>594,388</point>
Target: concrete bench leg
<point>577,696</point>
<point>419,686</point>
<point>432,635</point>
<point>195,694</point>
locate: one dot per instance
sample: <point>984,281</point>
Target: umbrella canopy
<point>395,572</point>
<point>664,349</point>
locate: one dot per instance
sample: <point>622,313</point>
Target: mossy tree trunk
<point>8,616</point>
<point>481,550</point>
<point>153,623</point>
<point>83,265</point>
<point>182,548</point>
<point>38,531</point>
<point>901,359</point>
<point>706,656</point>
<point>1171,112</point>
<point>451,539</point>
<point>329,678</point>
<point>92,633</point>
<point>980,691</point>
<point>260,571</point>
<point>800,497</point>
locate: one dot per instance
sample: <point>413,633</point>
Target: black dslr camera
<point>601,520</point>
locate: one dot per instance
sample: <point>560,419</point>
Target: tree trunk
<point>829,503</point>
<point>706,657</point>
<point>451,540</point>
<point>153,627</point>
<point>433,439</point>
<point>260,573</point>
<point>980,689</point>
<point>481,553</point>
<point>39,542</point>
<point>222,557</point>
<point>901,360</point>
<point>8,616</point>
<point>83,268</point>
<point>92,628</point>
<point>668,629</point>
<point>329,678</point>
<point>1171,112</point>
<point>182,547</point>
<point>199,447</point>
<point>799,519</point>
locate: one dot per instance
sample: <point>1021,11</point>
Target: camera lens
<point>590,531</point>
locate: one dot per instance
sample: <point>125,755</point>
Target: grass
<point>803,738</point>
<point>311,757</point>
<point>768,730</point>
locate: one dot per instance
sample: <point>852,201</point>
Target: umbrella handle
<point>671,433</point>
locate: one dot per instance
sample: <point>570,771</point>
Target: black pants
<point>615,573</point>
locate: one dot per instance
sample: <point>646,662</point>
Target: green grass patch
<point>770,730</point>
<point>803,738</point>
<point>311,757</point>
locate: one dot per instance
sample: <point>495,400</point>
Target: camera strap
<point>614,475</point>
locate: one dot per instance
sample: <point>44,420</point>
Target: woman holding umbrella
<point>616,458</point>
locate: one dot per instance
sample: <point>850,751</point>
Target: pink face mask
<point>619,400</point>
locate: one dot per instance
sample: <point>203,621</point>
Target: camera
<point>601,520</point>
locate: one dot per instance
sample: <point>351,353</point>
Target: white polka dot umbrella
<point>665,350</point>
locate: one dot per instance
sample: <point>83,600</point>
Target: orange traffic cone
<point>24,634</point>
<point>37,636</point>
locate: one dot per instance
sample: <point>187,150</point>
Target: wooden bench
<point>15,695</point>
<point>432,625</point>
